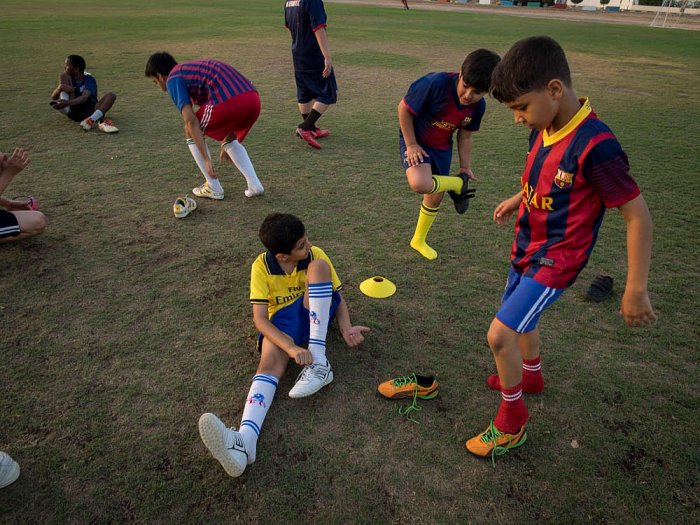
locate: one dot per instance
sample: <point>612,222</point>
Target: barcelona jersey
<point>303,18</point>
<point>437,112</point>
<point>205,82</point>
<point>271,286</point>
<point>570,178</point>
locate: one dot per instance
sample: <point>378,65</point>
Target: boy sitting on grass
<point>76,97</point>
<point>575,169</point>
<point>295,293</point>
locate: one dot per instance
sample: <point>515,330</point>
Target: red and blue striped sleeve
<point>607,168</point>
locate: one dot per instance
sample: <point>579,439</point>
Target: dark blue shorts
<point>439,159</point>
<point>312,86</point>
<point>293,320</point>
<point>524,301</point>
<point>9,227</point>
<point>82,111</point>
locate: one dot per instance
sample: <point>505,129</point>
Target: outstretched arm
<point>352,334</point>
<point>636,306</point>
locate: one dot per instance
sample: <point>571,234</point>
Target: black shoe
<point>461,200</point>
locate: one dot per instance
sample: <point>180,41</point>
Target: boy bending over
<point>435,106</point>
<point>575,169</point>
<point>295,293</point>
<point>229,105</point>
<point>76,97</point>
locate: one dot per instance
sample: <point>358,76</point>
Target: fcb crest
<point>563,179</point>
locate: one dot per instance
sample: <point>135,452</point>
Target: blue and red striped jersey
<point>437,112</point>
<point>570,178</point>
<point>303,18</point>
<point>205,82</point>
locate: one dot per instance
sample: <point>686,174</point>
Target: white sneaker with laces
<point>9,470</point>
<point>312,379</point>
<point>205,191</point>
<point>106,126</point>
<point>87,124</point>
<point>184,206</point>
<point>225,444</point>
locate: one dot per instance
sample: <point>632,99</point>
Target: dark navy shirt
<point>303,18</point>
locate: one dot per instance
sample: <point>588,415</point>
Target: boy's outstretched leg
<point>507,430</point>
<point>318,300</point>
<point>225,444</point>
<point>533,382</point>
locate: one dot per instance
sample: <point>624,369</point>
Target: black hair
<point>478,67</point>
<point>77,61</point>
<point>529,66</point>
<point>162,63</point>
<point>280,232</point>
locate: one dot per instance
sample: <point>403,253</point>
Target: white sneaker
<point>312,379</point>
<point>9,470</point>
<point>205,191</point>
<point>87,124</point>
<point>107,126</point>
<point>254,192</point>
<point>184,206</point>
<point>225,444</point>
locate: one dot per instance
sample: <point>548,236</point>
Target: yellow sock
<point>426,218</point>
<point>446,183</point>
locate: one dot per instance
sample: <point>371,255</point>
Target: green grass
<point>121,325</point>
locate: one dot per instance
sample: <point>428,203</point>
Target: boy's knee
<point>35,225</point>
<point>500,336</point>
<point>320,269</point>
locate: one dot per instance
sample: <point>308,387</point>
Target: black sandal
<point>600,289</point>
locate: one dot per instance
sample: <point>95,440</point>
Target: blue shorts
<point>524,301</point>
<point>312,86</point>
<point>439,159</point>
<point>293,320</point>
<point>9,227</point>
<point>82,111</point>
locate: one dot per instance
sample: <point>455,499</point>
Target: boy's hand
<point>353,335</point>
<point>58,104</point>
<point>504,211</point>
<point>468,172</point>
<point>415,155</point>
<point>301,355</point>
<point>636,309</point>
<point>14,164</point>
<point>327,67</point>
<point>18,205</point>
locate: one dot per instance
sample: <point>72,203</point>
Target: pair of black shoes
<point>461,199</point>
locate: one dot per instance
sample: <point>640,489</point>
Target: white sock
<point>64,96</point>
<point>262,390</point>
<point>320,295</point>
<point>240,158</point>
<point>214,184</point>
<point>97,115</point>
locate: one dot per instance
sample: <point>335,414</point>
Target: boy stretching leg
<point>575,170</point>
<point>295,294</point>
<point>437,105</point>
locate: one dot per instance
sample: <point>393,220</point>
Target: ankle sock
<point>512,413</point>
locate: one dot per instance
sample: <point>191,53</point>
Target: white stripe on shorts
<point>537,307</point>
<point>206,117</point>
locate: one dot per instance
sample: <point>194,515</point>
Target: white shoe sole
<point>218,197</point>
<point>299,395</point>
<point>212,432</point>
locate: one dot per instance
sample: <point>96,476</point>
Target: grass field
<point>121,325</point>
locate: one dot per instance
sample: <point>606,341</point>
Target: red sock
<point>533,382</point>
<point>512,414</point>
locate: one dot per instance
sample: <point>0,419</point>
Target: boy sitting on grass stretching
<point>295,293</point>
<point>229,105</point>
<point>435,106</point>
<point>19,219</point>
<point>575,169</point>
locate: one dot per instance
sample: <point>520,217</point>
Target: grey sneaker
<point>225,444</point>
<point>9,470</point>
<point>312,379</point>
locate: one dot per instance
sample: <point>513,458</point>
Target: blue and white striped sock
<point>258,403</point>
<point>320,295</point>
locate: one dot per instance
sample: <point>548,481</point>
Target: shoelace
<point>491,436</point>
<point>413,407</point>
<point>310,371</point>
<point>401,381</point>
